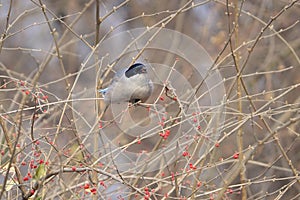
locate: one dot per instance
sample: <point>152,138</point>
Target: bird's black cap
<point>135,69</point>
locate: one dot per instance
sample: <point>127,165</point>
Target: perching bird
<point>129,85</point>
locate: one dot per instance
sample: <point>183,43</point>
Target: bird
<point>129,85</point>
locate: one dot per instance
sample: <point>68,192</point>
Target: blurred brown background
<point>31,42</point>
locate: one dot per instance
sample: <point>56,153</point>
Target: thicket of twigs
<point>222,122</point>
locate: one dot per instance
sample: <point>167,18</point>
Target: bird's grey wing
<point>115,78</point>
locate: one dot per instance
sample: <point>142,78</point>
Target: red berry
<point>236,156</point>
<point>199,184</point>
<point>172,176</point>
<point>192,166</point>
<point>102,183</point>
<point>93,191</point>
<point>167,132</point>
<point>185,153</point>
<point>86,186</point>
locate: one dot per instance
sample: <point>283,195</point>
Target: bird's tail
<point>103,91</point>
